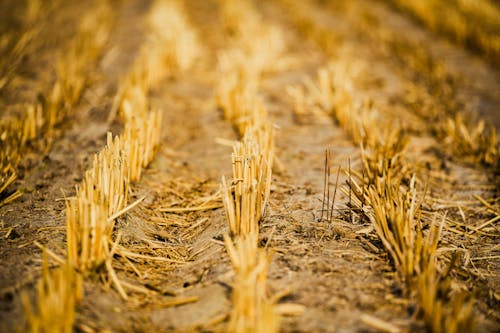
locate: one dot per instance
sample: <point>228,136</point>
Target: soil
<point>338,270</point>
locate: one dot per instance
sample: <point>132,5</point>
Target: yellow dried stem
<point>106,180</point>
<point>395,214</point>
<point>469,139</point>
<point>57,294</point>
<point>11,137</point>
<point>32,123</point>
<point>132,96</point>
<point>261,42</point>
<point>246,197</point>
<point>252,310</point>
<point>443,310</point>
<point>334,92</point>
<point>245,112</point>
<point>9,178</point>
<point>102,194</point>
<point>141,139</point>
<point>102,197</point>
<point>245,200</point>
<point>235,97</point>
<point>171,29</point>
<point>396,223</point>
<point>88,234</point>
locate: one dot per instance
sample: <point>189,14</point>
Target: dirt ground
<point>338,271</point>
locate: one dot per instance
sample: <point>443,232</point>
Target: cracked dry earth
<point>337,269</point>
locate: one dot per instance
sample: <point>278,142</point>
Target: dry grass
<point>142,137</point>
<point>474,141</point>
<point>172,45</point>
<point>245,200</point>
<point>102,194</point>
<point>440,305</point>
<point>236,90</point>
<point>396,214</point>
<point>464,137</point>
<point>431,87</point>
<point>9,160</point>
<point>235,97</point>
<point>39,121</point>
<point>299,11</point>
<point>246,196</point>
<point>443,309</point>
<point>261,43</point>
<point>387,197</point>
<point>253,310</point>
<point>333,92</point>
<point>382,193</point>
<point>173,34</point>
<point>471,23</point>
<point>132,97</point>
<point>242,66</point>
<point>57,293</point>
<point>74,64</point>
<point>432,96</point>
<point>16,44</point>
<point>102,197</point>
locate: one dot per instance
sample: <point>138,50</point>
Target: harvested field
<point>249,166</point>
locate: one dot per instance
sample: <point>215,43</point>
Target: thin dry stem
<point>57,293</point>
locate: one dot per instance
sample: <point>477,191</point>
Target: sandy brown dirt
<point>337,270</point>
